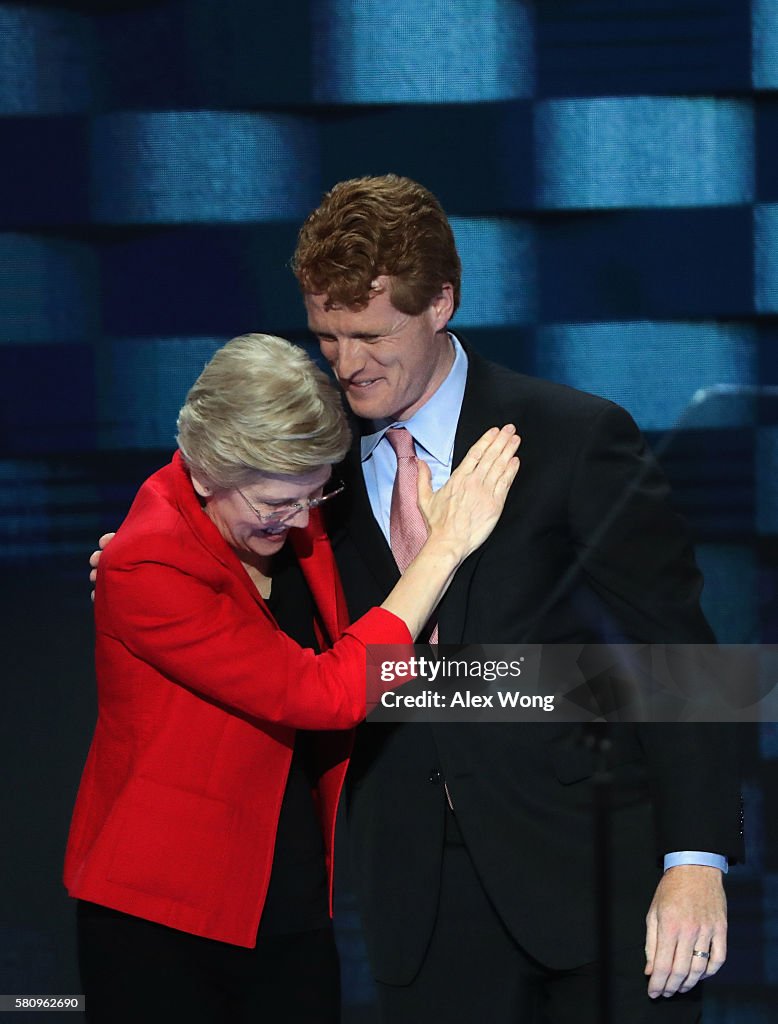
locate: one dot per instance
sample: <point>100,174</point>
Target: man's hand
<point>688,913</point>
<point>94,558</point>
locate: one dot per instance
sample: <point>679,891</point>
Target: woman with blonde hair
<point>200,849</point>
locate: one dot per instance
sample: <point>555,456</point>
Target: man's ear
<point>442,306</point>
<point>201,485</point>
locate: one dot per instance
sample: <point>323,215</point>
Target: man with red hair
<point>472,844</point>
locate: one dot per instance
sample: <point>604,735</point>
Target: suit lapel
<point>355,517</point>
<point>478,413</point>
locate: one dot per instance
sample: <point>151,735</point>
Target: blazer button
<point>434,776</point>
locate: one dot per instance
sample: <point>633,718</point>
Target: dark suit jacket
<point>587,548</point>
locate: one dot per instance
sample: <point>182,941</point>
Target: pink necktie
<point>407,531</point>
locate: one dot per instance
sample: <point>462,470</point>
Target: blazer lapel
<point>355,518</point>
<point>315,557</point>
<point>206,532</point>
<point>452,612</point>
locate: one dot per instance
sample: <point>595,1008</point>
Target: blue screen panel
<point>767,480</point>
<point>770,950</point>
<point>766,257</point>
<point>654,369</point>
<point>47,399</point>
<point>768,740</point>
<point>647,265</point>
<point>46,59</point>
<point>733,611</point>
<point>48,290</point>
<point>442,51</point>
<point>203,166</point>
<point>44,506</point>
<point>442,146</point>
<point>201,280</point>
<point>498,271</point>
<point>204,53</point>
<point>767,148</point>
<point>142,384</point>
<point>764,45</point>
<point>642,47</point>
<point>44,171</point>
<point>643,151</point>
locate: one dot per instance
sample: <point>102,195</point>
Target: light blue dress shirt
<point>433,427</point>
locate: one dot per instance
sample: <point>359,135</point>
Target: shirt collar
<point>434,425</point>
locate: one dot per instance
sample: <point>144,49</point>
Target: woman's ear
<point>201,485</point>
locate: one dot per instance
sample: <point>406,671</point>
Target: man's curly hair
<point>367,227</point>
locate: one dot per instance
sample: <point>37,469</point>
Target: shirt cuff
<point>710,860</point>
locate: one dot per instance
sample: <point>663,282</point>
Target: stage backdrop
<point>611,170</point>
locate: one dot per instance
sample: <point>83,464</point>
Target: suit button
<point>434,776</point>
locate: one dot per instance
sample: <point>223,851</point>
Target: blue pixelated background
<point>611,171</point>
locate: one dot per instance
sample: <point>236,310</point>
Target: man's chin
<point>369,403</point>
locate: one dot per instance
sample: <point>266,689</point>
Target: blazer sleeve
<point>200,636</point>
<point>632,548</point>
<point>635,554</point>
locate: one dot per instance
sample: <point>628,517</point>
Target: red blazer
<point>199,697</point>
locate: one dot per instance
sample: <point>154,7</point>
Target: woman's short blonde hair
<point>261,405</point>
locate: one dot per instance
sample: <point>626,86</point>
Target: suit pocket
<point>171,842</point>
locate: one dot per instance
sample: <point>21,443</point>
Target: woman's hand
<point>463,513</point>
<point>94,558</point>
<point>459,517</point>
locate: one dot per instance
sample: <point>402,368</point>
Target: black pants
<point>474,973</point>
<point>134,970</point>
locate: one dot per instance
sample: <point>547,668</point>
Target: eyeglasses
<point>282,513</point>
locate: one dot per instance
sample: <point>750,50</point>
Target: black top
<point>297,898</point>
